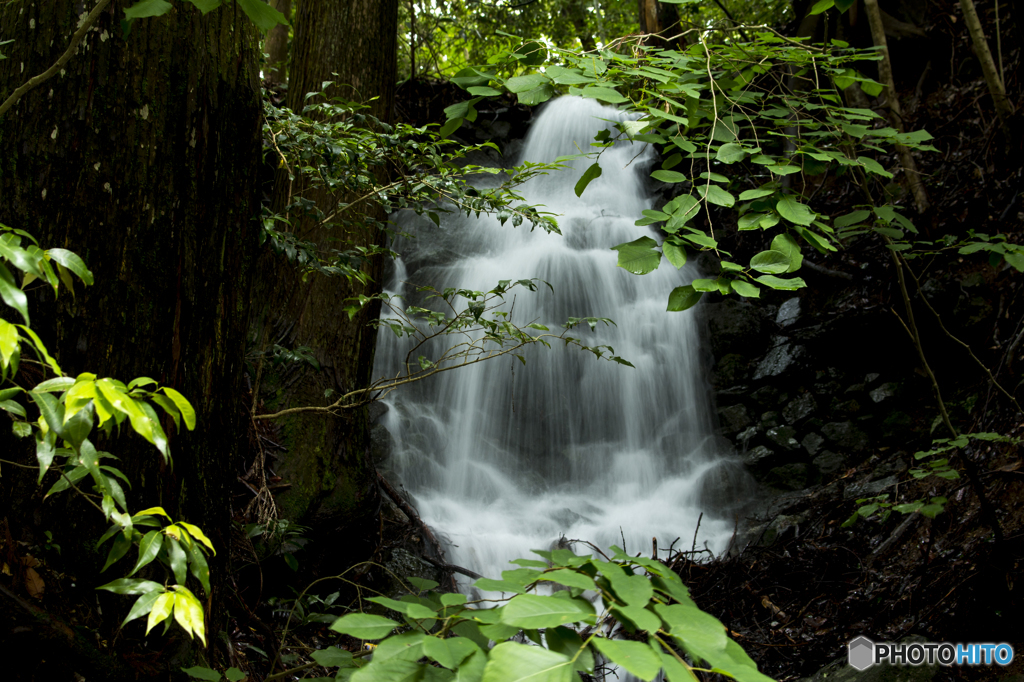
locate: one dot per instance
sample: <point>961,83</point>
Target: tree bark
<point>276,46</point>
<point>885,73</point>
<point>142,156</point>
<point>328,464</point>
<point>988,66</point>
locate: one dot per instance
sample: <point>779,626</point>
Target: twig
<point>64,58</point>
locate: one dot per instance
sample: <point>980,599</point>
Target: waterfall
<point>502,458</point>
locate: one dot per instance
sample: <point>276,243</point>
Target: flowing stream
<point>502,458</point>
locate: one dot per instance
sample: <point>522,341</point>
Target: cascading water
<point>503,458</point>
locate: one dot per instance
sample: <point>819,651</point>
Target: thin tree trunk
<point>988,66</point>
<point>276,46</point>
<point>896,114</point>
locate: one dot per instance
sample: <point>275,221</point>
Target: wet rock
<point>566,518</point>
<point>730,368</point>
<point>846,407</point>
<point>871,378</point>
<point>799,408</point>
<point>734,419</point>
<point>768,395</point>
<point>855,389</point>
<point>795,476</point>
<point>377,410</point>
<point>736,326</point>
<point>846,436</point>
<point>769,420</point>
<point>788,312</point>
<point>767,534</point>
<point>884,392</point>
<point>781,359</point>
<point>382,444</point>
<point>826,388</point>
<point>856,491</point>
<point>760,459</point>
<point>893,464</point>
<point>401,562</point>
<point>745,437</point>
<point>812,442</point>
<point>829,462</point>
<point>784,437</point>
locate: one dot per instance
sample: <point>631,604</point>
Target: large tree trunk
<point>276,46</point>
<point>142,156</point>
<point>332,479</point>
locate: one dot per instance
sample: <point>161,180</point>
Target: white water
<point>503,458</point>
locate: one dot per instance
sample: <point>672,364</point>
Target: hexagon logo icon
<point>861,654</point>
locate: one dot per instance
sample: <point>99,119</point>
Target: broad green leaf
<point>750,194</point>
<point>161,610</point>
<point>197,533</point>
<point>149,547</point>
<point>45,450</point>
<point>56,385</point>
<point>701,633</point>
<point>184,406</point>
<point>683,298</point>
<point>389,670</point>
<point>592,173</point>
<point>511,662</point>
<point>188,611</point>
<point>234,675</point>
<point>745,289</point>
<point>198,567</point>
<point>131,586</point>
<point>332,657</point>
<point>675,254</point>
<point>8,342</point>
<point>262,14</point>
<point>636,657</point>
<point>639,616</point>
<point>450,652</point>
<point>472,669</point>
<point>631,589</point>
<point>176,557</point>
<point>795,212</point>
<point>604,94</point>
<point>142,605</point>
<point>821,6</point>
<point>716,195</point>
<point>527,82</point>
<point>72,262</point>
<point>569,578</point>
<point>730,153</point>
<point>148,8</point>
<point>669,176</point>
<point>531,53</point>
<point>450,126</point>
<point>11,294</point>
<point>638,256</point>
<point>364,626</point>
<point>770,262</point>
<point>181,613</point>
<point>201,673</point>
<point>773,282</point>
<point>540,611</point>
<point>534,96</point>
<point>567,642</point>
<point>851,218</point>
<point>12,407</point>
<point>483,91</point>
<point>206,6</point>
<point>872,166</point>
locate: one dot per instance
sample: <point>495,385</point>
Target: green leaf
<point>524,83</point>
<point>604,94</point>
<point>531,53</point>
<point>668,176</point>
<point>749,194</point>
<point>183,405</point>
<point>674,253</point>
<point>872,166</point>
<point>511,662</point>
<point>262,14</point>
<point>72,262</point>
<point>148,8</point>
<point>638,256</point>
<point>784,243</point>
<point>795,212</point>
<point>730,153</point>
<point>11,294</point>
<point>131,586</point>
<point>449,652</point>
<point>745,289</point>
<point>770,262</point>
<point>198,567</point>
<point>177,559</point>
<point>364,626</point>
<point>234,675</point>
<point>142,605</point>
<point>716,195</point>
<point>774,282</point>
<point>389,670</point>
<point>821,6</point>
<point>148,549</point>
<point>540,611</point>
<point>567,642</point>
<point>592,173</point>
<point>638,616</point>
<point>483,91</point>
<point>206,6</point>
<point>851,218</point>
<point>533,97</point>
<point>570,578</point>
<point>332,657</point>
<point>636,657</point>
<point>683,297</point>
